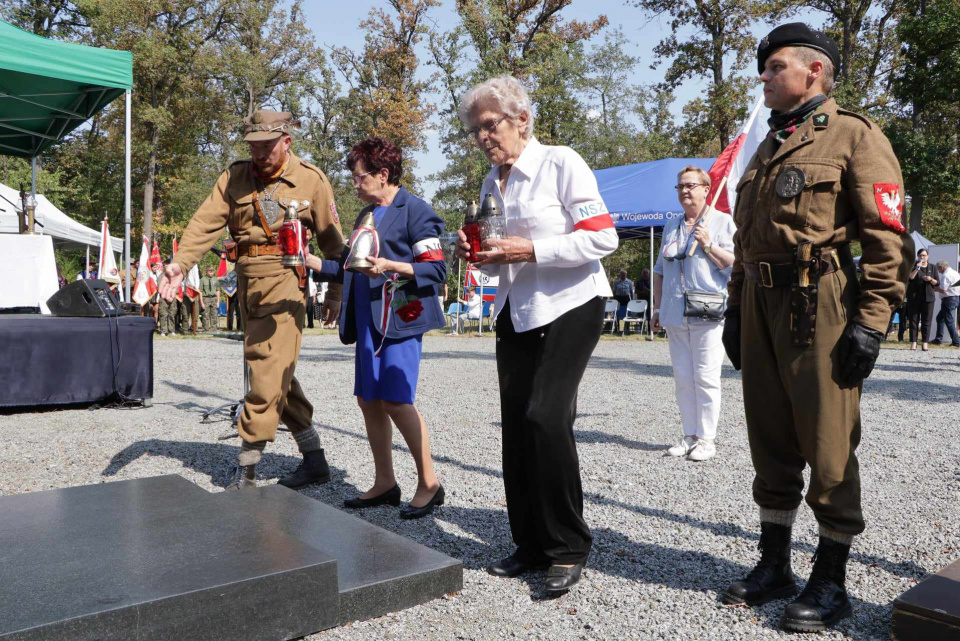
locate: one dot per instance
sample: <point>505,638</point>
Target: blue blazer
<point>407,222</point>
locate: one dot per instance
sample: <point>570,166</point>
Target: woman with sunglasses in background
<point>689,292</point>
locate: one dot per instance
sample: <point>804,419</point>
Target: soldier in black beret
<point>811,333</point>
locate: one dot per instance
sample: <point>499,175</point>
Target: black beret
<point>797,34</point>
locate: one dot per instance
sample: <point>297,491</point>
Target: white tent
<point>66,232</point>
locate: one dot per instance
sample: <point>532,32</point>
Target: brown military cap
<point>267,125</point>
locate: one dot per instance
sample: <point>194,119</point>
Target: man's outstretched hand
<point>170,285</point>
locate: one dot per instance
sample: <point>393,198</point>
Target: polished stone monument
<point>160,559</point>
<point>930,610</point>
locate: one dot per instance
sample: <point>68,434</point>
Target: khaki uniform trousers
<point>273,309</point>
<point>797,413</point>
<point>166,316</point>
<point>210,313</point>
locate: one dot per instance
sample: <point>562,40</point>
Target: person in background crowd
<point>210,290</point>
<point>623,294</point>
<point>805,331</point>
<point>949,290</point>
<point>696,347</point>
<point>921,297</point>
<point>154,303</point>
<point>390,343</point>
<point>91,271</point>
<point>550,305</point>
<point>473,302</point>
<point>61,281</point>
<point>166,309</point>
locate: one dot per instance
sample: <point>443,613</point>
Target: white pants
<point>696,351</point>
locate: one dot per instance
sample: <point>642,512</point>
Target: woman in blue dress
<point>404,280</point>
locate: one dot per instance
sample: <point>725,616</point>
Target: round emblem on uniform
<point>790,182</point>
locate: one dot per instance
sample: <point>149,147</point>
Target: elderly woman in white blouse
<point>549,307</point>
<point>695,260</point>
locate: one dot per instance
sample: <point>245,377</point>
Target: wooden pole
<point>716,195</point>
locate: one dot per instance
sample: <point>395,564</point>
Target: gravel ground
<point>669,534</point>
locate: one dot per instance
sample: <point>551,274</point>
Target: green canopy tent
<point>49,88</point>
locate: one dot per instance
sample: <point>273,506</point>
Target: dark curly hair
<point>376,154</point>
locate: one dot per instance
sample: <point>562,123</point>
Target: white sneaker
<point>704,450</point>
<point>686,444</point>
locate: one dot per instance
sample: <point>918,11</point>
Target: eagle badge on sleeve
<point>890,205</point>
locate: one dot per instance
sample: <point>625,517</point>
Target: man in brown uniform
<point>810,333</point>
<point>249,199</point>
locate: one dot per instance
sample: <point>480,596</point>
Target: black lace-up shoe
<point>824,601</point>
<point>772,578</point>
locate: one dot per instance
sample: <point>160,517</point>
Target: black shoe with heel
<point>411,512</point>
<point>391,496</point>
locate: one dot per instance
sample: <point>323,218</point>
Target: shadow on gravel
<point>194,391</point>
<point>911,389</point>
<point>346,353</point>
<point>596,436</point>
<point>216,460</point>
<point>689,570</point>
<point>906,569</point>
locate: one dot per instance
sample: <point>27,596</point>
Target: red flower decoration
<point>411,311</point>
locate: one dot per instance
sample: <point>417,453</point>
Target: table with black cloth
<point>54,361</point>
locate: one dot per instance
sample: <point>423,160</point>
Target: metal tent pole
<point>126,188</point>
<point>650,303</point>
<point>33,178</point>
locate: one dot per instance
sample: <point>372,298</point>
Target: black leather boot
<point>313,469</point>
<point>772,577</point>
<point>824,601</point>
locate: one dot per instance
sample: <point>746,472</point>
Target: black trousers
<point>311,310</point>
<point>540,371</point>
<point>920,316</point>
<point>233,310</point>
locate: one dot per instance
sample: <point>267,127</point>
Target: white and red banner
<point>193,283</point>
<point>732,161</point>
<point>145,287</point>
<point>476,278</point>
<point>426,250</point>
<point>107,269</point>
<point>175,248</point>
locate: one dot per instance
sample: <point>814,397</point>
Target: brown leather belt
<point>259,250</point>
<point>784,274</point>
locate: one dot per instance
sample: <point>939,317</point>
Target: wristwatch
<point>707,248</point>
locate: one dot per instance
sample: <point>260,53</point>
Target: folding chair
<point>636,313</point>
<point>451,315</point>
<point>610,313</point>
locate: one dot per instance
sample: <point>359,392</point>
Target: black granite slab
<point>161,559</point>
<point>930,610</point>
<point>154,559</point>
<point>379,571</point>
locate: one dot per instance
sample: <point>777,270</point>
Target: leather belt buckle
<point>766,275</point>
<point>253,251</point>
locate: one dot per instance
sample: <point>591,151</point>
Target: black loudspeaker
<point>88,297</point>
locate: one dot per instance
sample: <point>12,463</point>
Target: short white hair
<point>509,96</point>
<point>944,264</point>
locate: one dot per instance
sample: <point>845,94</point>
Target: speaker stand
<point>231,409</point>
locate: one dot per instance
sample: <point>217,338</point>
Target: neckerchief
<point>782,124</point>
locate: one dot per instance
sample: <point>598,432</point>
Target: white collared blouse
<point>551,197</point>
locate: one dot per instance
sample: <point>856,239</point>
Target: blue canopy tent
<point>642,197</point>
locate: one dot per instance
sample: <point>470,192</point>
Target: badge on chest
<point>790,182</point>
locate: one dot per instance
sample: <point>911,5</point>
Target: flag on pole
<point>179,289</point>
<point>107,269</point>
<point>155,257</point>
<point>476,278</point>
<point>730,164</point>
<point>146,287</point>
<point>193,283</point>
<point>222,269</point>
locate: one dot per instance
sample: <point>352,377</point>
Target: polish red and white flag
<point>146,286</point>
<point>729,166</point>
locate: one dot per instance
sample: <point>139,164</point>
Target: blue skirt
<point>393,375</point>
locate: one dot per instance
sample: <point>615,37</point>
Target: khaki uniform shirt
<point>231,205</point>
<point>851,174</point>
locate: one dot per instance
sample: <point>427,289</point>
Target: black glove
<point>731,335</point>
<point>857,350</point>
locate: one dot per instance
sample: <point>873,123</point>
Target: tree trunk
<point>150,181</point>
<point>916,213</point>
